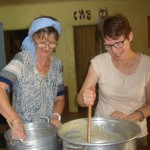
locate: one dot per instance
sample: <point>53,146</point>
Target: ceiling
<point>14,2</point>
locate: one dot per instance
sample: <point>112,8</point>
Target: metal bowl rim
<point>97,119</point>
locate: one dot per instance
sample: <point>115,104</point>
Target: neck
<point>42,60</point>
<point>126,59</point>
<point>42,65</point>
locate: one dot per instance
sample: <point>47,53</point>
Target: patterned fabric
<point>33,95</point>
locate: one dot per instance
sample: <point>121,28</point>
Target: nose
<point>47,46</point>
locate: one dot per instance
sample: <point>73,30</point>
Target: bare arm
<point>10,114</point>
<point>86,96</point>
<point>59,104</point>
<point>5,107</point>
<point>58,108</point>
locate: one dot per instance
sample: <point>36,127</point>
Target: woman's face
<point>46,45</point>
<point>117,47</point>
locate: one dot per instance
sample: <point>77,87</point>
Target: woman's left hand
<point>118,114</point>
<point>55,122</point>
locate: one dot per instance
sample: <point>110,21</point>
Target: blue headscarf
<point>36,25</point>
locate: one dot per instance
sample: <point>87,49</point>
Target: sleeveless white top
<point>119,92</point>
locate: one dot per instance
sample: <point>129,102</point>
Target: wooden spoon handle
<point>89,125</point>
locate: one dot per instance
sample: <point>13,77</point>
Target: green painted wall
<point>20,16</point>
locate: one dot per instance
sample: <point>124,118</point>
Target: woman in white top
<point>123,77</point>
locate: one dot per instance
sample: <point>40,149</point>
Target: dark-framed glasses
<point>119,44</point>
<point>44,44</point>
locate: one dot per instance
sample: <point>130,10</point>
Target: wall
<point>2,49</point>
<point>20,16</point>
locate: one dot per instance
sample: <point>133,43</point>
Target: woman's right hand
<point>18,131</point>
<point>89,96</point>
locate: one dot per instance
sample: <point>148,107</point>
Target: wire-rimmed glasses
<point>44,44</point>
<point>118,44</point>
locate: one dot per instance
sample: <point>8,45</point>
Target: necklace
<point>40,69</point>
<point>124,81</point>
<point>123,78</point>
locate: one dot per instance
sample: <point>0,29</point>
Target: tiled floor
<point>71,116</point>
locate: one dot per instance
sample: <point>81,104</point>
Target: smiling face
<point>119,47</point>
<point>116,35</point>
<point>118,44</point>
<point>46,41</point>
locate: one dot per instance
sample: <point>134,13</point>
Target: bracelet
<point>58,115</point>
<point>10,123</point>
<point>14,119</point>
<point>141,114</point>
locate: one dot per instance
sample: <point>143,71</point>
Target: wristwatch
<point>141,114</point>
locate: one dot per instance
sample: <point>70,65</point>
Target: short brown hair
<point>114,26</point>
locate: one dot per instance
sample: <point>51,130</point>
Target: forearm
<point>87,92</point>
<point>140,114</point>
<point>80,100</point>
<point>59,105</point>
<point>5,107</point>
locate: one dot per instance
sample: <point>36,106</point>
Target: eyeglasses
<point>44,44</point>
<point>119,44</point>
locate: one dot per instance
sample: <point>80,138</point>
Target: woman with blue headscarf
<point>36,79</point>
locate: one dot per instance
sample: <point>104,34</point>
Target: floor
<point>65,118</point>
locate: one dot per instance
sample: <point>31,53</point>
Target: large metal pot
<point>40,136</point>
<point>106,134</point>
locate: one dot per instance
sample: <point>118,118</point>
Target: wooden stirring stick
<point>89,125</point>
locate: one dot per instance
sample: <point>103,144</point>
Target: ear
<point>131,36</point>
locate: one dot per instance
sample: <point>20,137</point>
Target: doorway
<point>86,47</point>
<point>13,40</point>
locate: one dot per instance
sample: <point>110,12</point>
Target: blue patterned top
<point>33,95</point>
